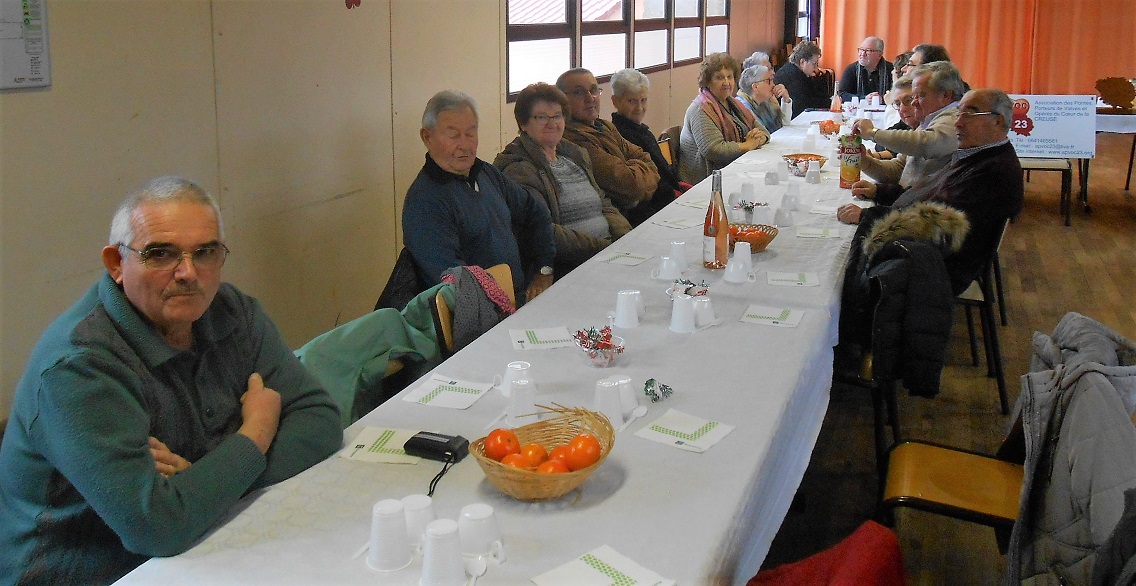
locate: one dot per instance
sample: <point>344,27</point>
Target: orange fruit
<point>516,461</point>
<point>583,451</point>
<point>535,453</point>
<point>501,443</point>
<point>552,467</point>
<point>559,453</point>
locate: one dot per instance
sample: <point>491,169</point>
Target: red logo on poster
<point>1022,123</point>
<point>352,3</point>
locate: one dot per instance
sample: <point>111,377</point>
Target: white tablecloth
<point>697,518</point>
<point>1117,123</point>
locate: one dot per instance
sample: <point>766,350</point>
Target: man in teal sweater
<point>152,405</point>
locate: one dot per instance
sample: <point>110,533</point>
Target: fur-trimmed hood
<point>925,221</point>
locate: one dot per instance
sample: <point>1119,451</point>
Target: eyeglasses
<point>861,50</point>
<point>905,101</point>
<point>967,115</point>
<point>542,119</point>
<point>167,258</point>
<point>580,92</point>
<point>768,80</point>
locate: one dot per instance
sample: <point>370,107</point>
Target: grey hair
<point>904,82</point>
<point>1001,104</point>
<point>627,81</point>
<point>750,76</point>
<point>942,77</point>
<point>877,41</point>
<point>446,101</point>
<point>167,189</point>
<point>758,58</point>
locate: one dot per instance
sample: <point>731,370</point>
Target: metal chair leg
<point>970,333</point>
<point>1001,292</point>
<point>990,332</point>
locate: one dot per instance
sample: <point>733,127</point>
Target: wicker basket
<point>758,235</point>
<point>527,485</point>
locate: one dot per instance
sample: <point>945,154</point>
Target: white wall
<point>301,116</point>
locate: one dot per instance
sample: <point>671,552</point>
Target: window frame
<point>574,30</point>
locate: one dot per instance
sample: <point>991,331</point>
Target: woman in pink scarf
<point>717,128</point>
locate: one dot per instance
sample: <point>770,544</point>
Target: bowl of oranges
<point>546,459</point>
<point>758,235</point>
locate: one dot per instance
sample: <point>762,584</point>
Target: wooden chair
<point>1063,166</point>
<point>500,273</point>
<point>671,137</point>
<point>980,294</point>
<point>955,483</point>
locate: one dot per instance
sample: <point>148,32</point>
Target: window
<point>547,37</point>
<point>802,19</point>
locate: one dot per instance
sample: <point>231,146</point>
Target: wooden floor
<point>1048,270</point>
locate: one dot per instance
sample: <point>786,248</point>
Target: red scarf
<point>722,119</point>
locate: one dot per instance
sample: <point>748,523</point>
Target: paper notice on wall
<point>24,58</point>
<point>1054,127</point>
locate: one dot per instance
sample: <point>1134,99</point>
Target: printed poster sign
<point>1054,127</point>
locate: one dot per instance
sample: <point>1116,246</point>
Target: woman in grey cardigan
<point>559,173</point>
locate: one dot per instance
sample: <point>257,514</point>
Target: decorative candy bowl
<point>799,162</point>
<point>599,347</point>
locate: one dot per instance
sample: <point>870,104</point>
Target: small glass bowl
<point>603,358</point>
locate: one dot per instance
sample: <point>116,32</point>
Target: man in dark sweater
<point>629,96</point>
<point>869,75</point>
<point>462,211</point>
<point>983,180</point>
<point>152,405</point>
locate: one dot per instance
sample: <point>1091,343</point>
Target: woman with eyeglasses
<point>559,173</point>
<point>760,95</point>
<point>717,128</point>
<point>801,77</point>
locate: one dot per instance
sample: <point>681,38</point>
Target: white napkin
<point>625,258</point>
<point>439,391</point>
<point>700,204</point>
<point>680,223</point>
<point>379,444</point>
<point>684,431</point>
<point>804,232</point>
<point>821,209</point>
<point>784,317</point>
<point>542,338</point>
<point>792,279</point>
<point>602,566</point>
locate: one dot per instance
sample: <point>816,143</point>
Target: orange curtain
<point>1021,46</point>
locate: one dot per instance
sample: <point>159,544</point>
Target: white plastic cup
<point>627,309</point>
<point>771,177</point>
<point>513,371</point>
<point>479,532</point>
<point>419,510</point>
<point>783,170</point>
<point>736,272</point>
<point>703,311</point>
<point>389,549</point>
<point>668,269</point>
<point>812,175</point>
<point>682,314</point>
<point>628,398</point>
<point>743,253</point>
<point>442,563</point>
<point>734,199</point>
<point>678,253</point>
<point>783,217</point>
<point>522,404</point>
<point>608,401</point>
<point>761,215</point>
<point>747,191</point>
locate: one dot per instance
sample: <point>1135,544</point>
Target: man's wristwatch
<point>546,270</point>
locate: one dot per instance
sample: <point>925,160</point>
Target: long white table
<point>696,518</point>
